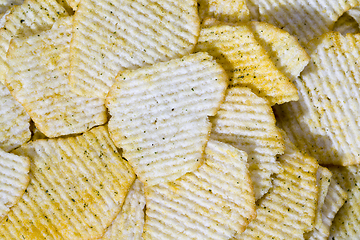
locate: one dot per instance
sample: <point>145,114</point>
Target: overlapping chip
<point>324,122</point>
<point>14,178</point>
<point>127,34</point>
<point>77,187</point>
<point>129,223</point>
<point>7,4</point>
<point>346,24</point>
<point>38,78</point>
<point>31,17</point>
<point>247,122</point>
<point>287,211</point>
<point>213,202</point>
<point>159,115</point>
<point>246,61</point>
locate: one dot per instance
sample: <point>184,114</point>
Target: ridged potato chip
<point>213,202</point>
<point>127,34</point>
<point>77,186</point>
<point>159,115</point>
<point>346,24</point>
<point>247,122</point>
<point>38,79</point>
<point>7,4</point>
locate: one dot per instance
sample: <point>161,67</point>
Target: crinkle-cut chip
<point>14,121</point>
<point>129,223</point>
<point>346,224</point>
<point>7,4</point>
<point>224,10</point>
<point>247,122</point>
<point>213,202</point>
<point>253,9</point>
<point>305,20</point>
<point>77,186</point>
<point>324,122</point>
<point>287,211</point>
<point>32,17</point>
<point>284,50</point>
<point>246,62</point>
<point>38,79</point>
<point>159,115</point>
<point>346,24</point>
<point>127,34</point>
<point>74,4</point>
<point>334,200</point>
<point>323,178</point>
<point>14,178</point>
<point>355,13</point>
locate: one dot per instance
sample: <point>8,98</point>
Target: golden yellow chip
<point>14,178</point>
<point>324,122</point>
<point>346,24</point>
<point>76,189</point>
<point>129,223</point>
<point>323,178</point>
<point>213,202</point>
<point>159,115</point>
<point>127,34</point>
<point>31,17</point>
<point>288,210</point>
<point>246,62</point>
<point>247,122</point>
<point>38,78</point>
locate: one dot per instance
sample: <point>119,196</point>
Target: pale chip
<point>7,4</point>
<point>129,223</point>
<point>33,16</point>
<point>224,10</point>
<point>213,202</point>
<point>355,14</point>
<point>159,115</point>
<point>38,78</point>
<point>346,224</point>
<point>77,186</point>
<point>324,122</point>
<point>346,24</point>
<point>247,122</point>
<point>14,178</point>
<point>287,211</point>
<point>246,62</point>
<point>305,20</point>
<point>14,121</point>
<point>127,34</point>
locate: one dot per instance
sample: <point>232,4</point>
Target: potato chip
<point>246,62</point>
<point>14,178</point>
<point>76,189</point>
<point>159,115</point>
<point>7,4</point>
<point>127,34</point>
<point>247,122</point>
<point>74,4</point>
<point>355,13</point>
<point>224,10</point>
<point>335,198</point>
<point>346,224</point>
<point>38,79</point>
<point>14,121</point>
<point>346,24</point>
<point>303,19</point>
<point>129,223</point>
<point>287,211</point>
<point>213,202</point>
<point>36,133</point>
<point>31,17</point>
<point>324,122</point>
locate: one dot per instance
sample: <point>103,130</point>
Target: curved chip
<point>287,211</point>
<point>324,122</point>
<point>38,79</point>
<point>247,122</point>
<point>159,115</point>
<point>77,187</point>
<point>246,62</point>
<point>127,34</point>
<point>14,178</point>
<point>213,202</point>
<point>7,4</point>
<point>346,24</point>
<point>129,224</point>
<point>355,13</point>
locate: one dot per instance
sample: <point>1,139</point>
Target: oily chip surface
<point>213,202</point>
<point>127,34</point>
<point>159,115</point>
<point>77,187</point>
<point>38,79</point>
